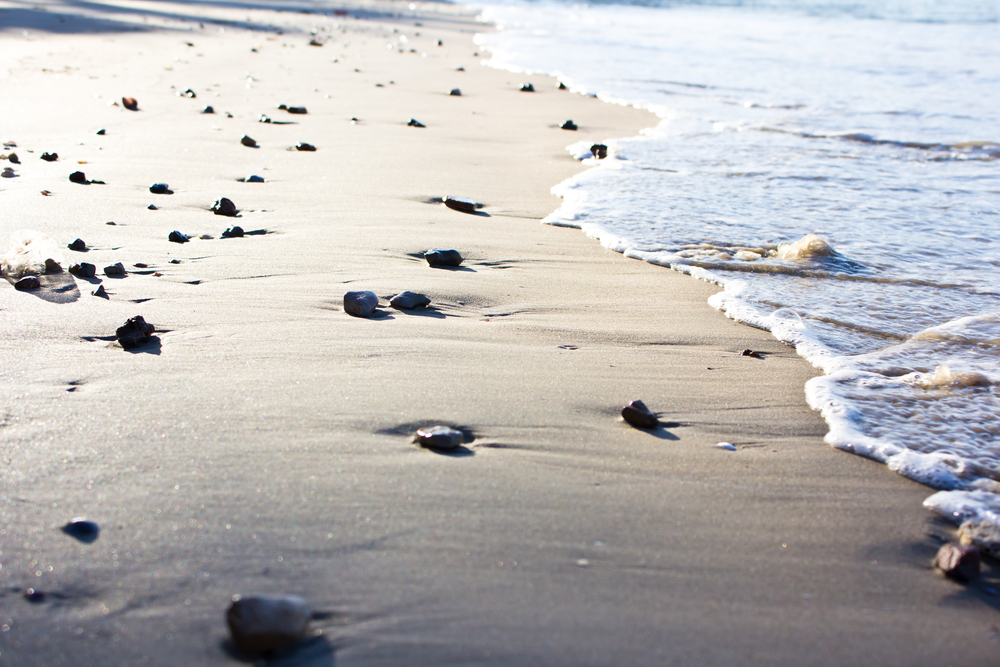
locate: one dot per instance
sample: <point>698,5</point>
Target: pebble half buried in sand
<point>637,414</point>
<point>233,232</point>
<point>116,269</point>
<point>569,125</point>
<point>361,303</point>
<point>83,530</point>
<point>261,623</point>
<point>28,283</point>
<point>439,437</point>
<point>463,204</point>
<point>224,206</point>
<point>160,189</point>
<point>304,147</point>
<point>415,123</point>
<point>130,103</point>
<point>958,563</point>
<point>408,300</point>
<point>439,257</point>
<point>134,332</point>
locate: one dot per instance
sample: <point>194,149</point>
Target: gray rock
<point>408,300</point>
<point>188,93</point>
<point>225,207</point>
<point>463,204</point>
<point>177,237</point>
<point>439,257</point>
<point>28,283</point>
<point>117,269</point>
<point>83,269</point>
<point>360,303</point>
<point>135,332</point>
<point>958,562</point>
<point>637,414</point>
<point>984,535</point>
<point>439,437</point>
<point>261,623</point>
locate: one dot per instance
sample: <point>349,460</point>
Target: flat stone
<point>439,257</point>
<point>224,207</point>
<point>296,110</point>
<point>135,332</point>
<point>153,207</point>
<point>248,142</point>
<point>984,535</point>
<point>178,237</point>
<point>439,437</point>
<point>50,157</point>
<point>360,303</point>
<point>78,177</point>
<point>527,88</point>
<point>28,283</point>
<point>79,245</point>
<point>637,414</point>
<point>233,232</point>
<point>455,92</point>
<point>415,123</point>
<point>462,204</point>
<point>569,125</point>
<point>117,269</point>
<point>261,623</point>
<point>253,179</point>
<point>407,300</point>
<point>82,530</point>
<point>130,103</point>
<point>303,146</point>
<point>160,189</point>
<point>83,269</point>
<point>958,562</point>
<point>600,151</point>
<point>751,353</point>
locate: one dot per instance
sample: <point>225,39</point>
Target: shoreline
<point>264,443</point>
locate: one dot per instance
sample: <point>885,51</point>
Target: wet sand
<point>263,441</point>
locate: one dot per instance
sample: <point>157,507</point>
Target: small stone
<point>187,93</point>
<point>52,266</point>
<point>50,157</point>
<point>439,257</point>
<point>225,207</point>
<point>13,159</point>
<point>296,110</point>
<point>407,300</point>
<point>248,142</point>
<point>261,623</point>
<point>527,88</point>
<point>455,92</point>
<point>83,269</point>
<point>130,103</point>
<point>78,177</point>
<point>569,125</point>
<point>315,42</point>
<point>984,535</point>
<point>600,151</point>
<point>727,446</point>
<point>253,179</point>
<point>415,123</point>
<point>459,69</point>
<point>134,332</point>
<point>958,562</point>
<point>83,530</point>
<point>462,204</point>
<point>177,237</point>
<point>440,43</point>
<point>102,132</point>
<point>175,261</point>
<point>27,283</point>
<point>637,414</point>
<point>562,86</point>
<point>439,437</point>
<point>303,146</point>
<point>34,596</point>
<point>234,232</point>
<point>77,245</point>
<point>8,173</point>
<point>117,269</point>
<point>751,353</point>
<point>160,189</point>
<point>141,265</point>
<point>208,109</point>
<point>264,119</point>
<point>360,303</point>
<point>153,207</point>
<point>101,292</point>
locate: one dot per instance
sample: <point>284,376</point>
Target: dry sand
<point>263,442</point>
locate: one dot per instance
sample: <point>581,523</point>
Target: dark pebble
<point>408,300</point>
<point>315,42</point>
<point>27,283</point>
<point>303,146</point>
<point>233,233</point>
<point>13,159</point>
<point>455,92</point>
<point>83,269</point>
<point>134,332</point>
<point>461,204</point>
<point>527,88</point>
<point>83,530</point>
<point>178,237</point>
<point>253,179</point>
<point>115,270</point>
<point>415,123</point>
<point>102,132</point>
<point>78,177</point>
<point>360,303</point>
<point>153,207</point>
<point>101,292</point>
<point>440,43</point>
<point>438,257</point>
<point>637,414</point>
<point>248,142</point>
<point>297,110</point>
<point>188,93</point>
<point>225,207</point>
<point>208,109</point>
<point>957,562</point>
<point>50,157</point>
<point>130,103</point>
<point>600,151</point>
<point>562,86</point>
<point>175,261</point>
<point>569,125</point>
<point>751,353</point>
<point>34,596</point>
<point>52,266</point>
<point>439,437</point>
<point>77,245</point>
<point>260,624</point>
<point>459,69</point>
<point>160,189</point>
<point>264,119</point>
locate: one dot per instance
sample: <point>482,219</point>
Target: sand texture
<point>261,442</point>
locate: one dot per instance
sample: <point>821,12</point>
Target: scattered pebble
<point>153,207</point>
<point>248,142</point>
<point>360,303</point>
<point>264,119</point>
<point>101,292</point>
<point>225,207</point>
<point>600,151</point>
<point>83,269</point>
<point>569,125</point>
<point>208,109</point>
<point>562,86</point>
<point>13,159</point>
<point>77,245</point>
<point>527,88</point>
<point>117,269</point>
<point>134,332</point>
<point>439,257</point>
<point>303,146</point>
<point>27,283</point>
<point>440,43</point>
<point>455,92</point>
<point>34,596</point>
<point>46,193</point>
<point>407,300</point>
<point>459,69</point>
<point>101,132</point>
<point>8,172</point>
<point>160,189</point>
<point>175,261</point>
<point>261,623</point>
<point>82,530</point>
<point>52,266</point>
<point>315,42</point>
<point>187,93</point>
<point>50,157</point>
<point>294,110</point>
<point>78,177</point>
<point>252,179</point>
<point>130,103</point>
<point>415,123</point>
<point>234,232</point>
<point>727,445</point>
<point>751,353</point>
<point>439,437</point>
<point>637,414</point>
<point>178,237</point>
<point>958,562</point>
<point>462,204</point>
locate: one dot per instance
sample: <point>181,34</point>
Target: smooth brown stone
<point>27,283</point>
<point>130,103</point>
<point>637,414</point>
<point>957,562</point>
<point>461,204</point>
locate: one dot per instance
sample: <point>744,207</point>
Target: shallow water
<point>876,127</point>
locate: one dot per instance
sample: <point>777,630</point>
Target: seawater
<point>873,125</point>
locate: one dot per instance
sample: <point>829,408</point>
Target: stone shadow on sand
<point>312,651</point>
<point>56,288</point>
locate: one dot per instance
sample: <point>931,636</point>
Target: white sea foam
<point>27,254</point>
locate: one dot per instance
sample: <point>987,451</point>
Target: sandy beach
<point>262,442</point>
